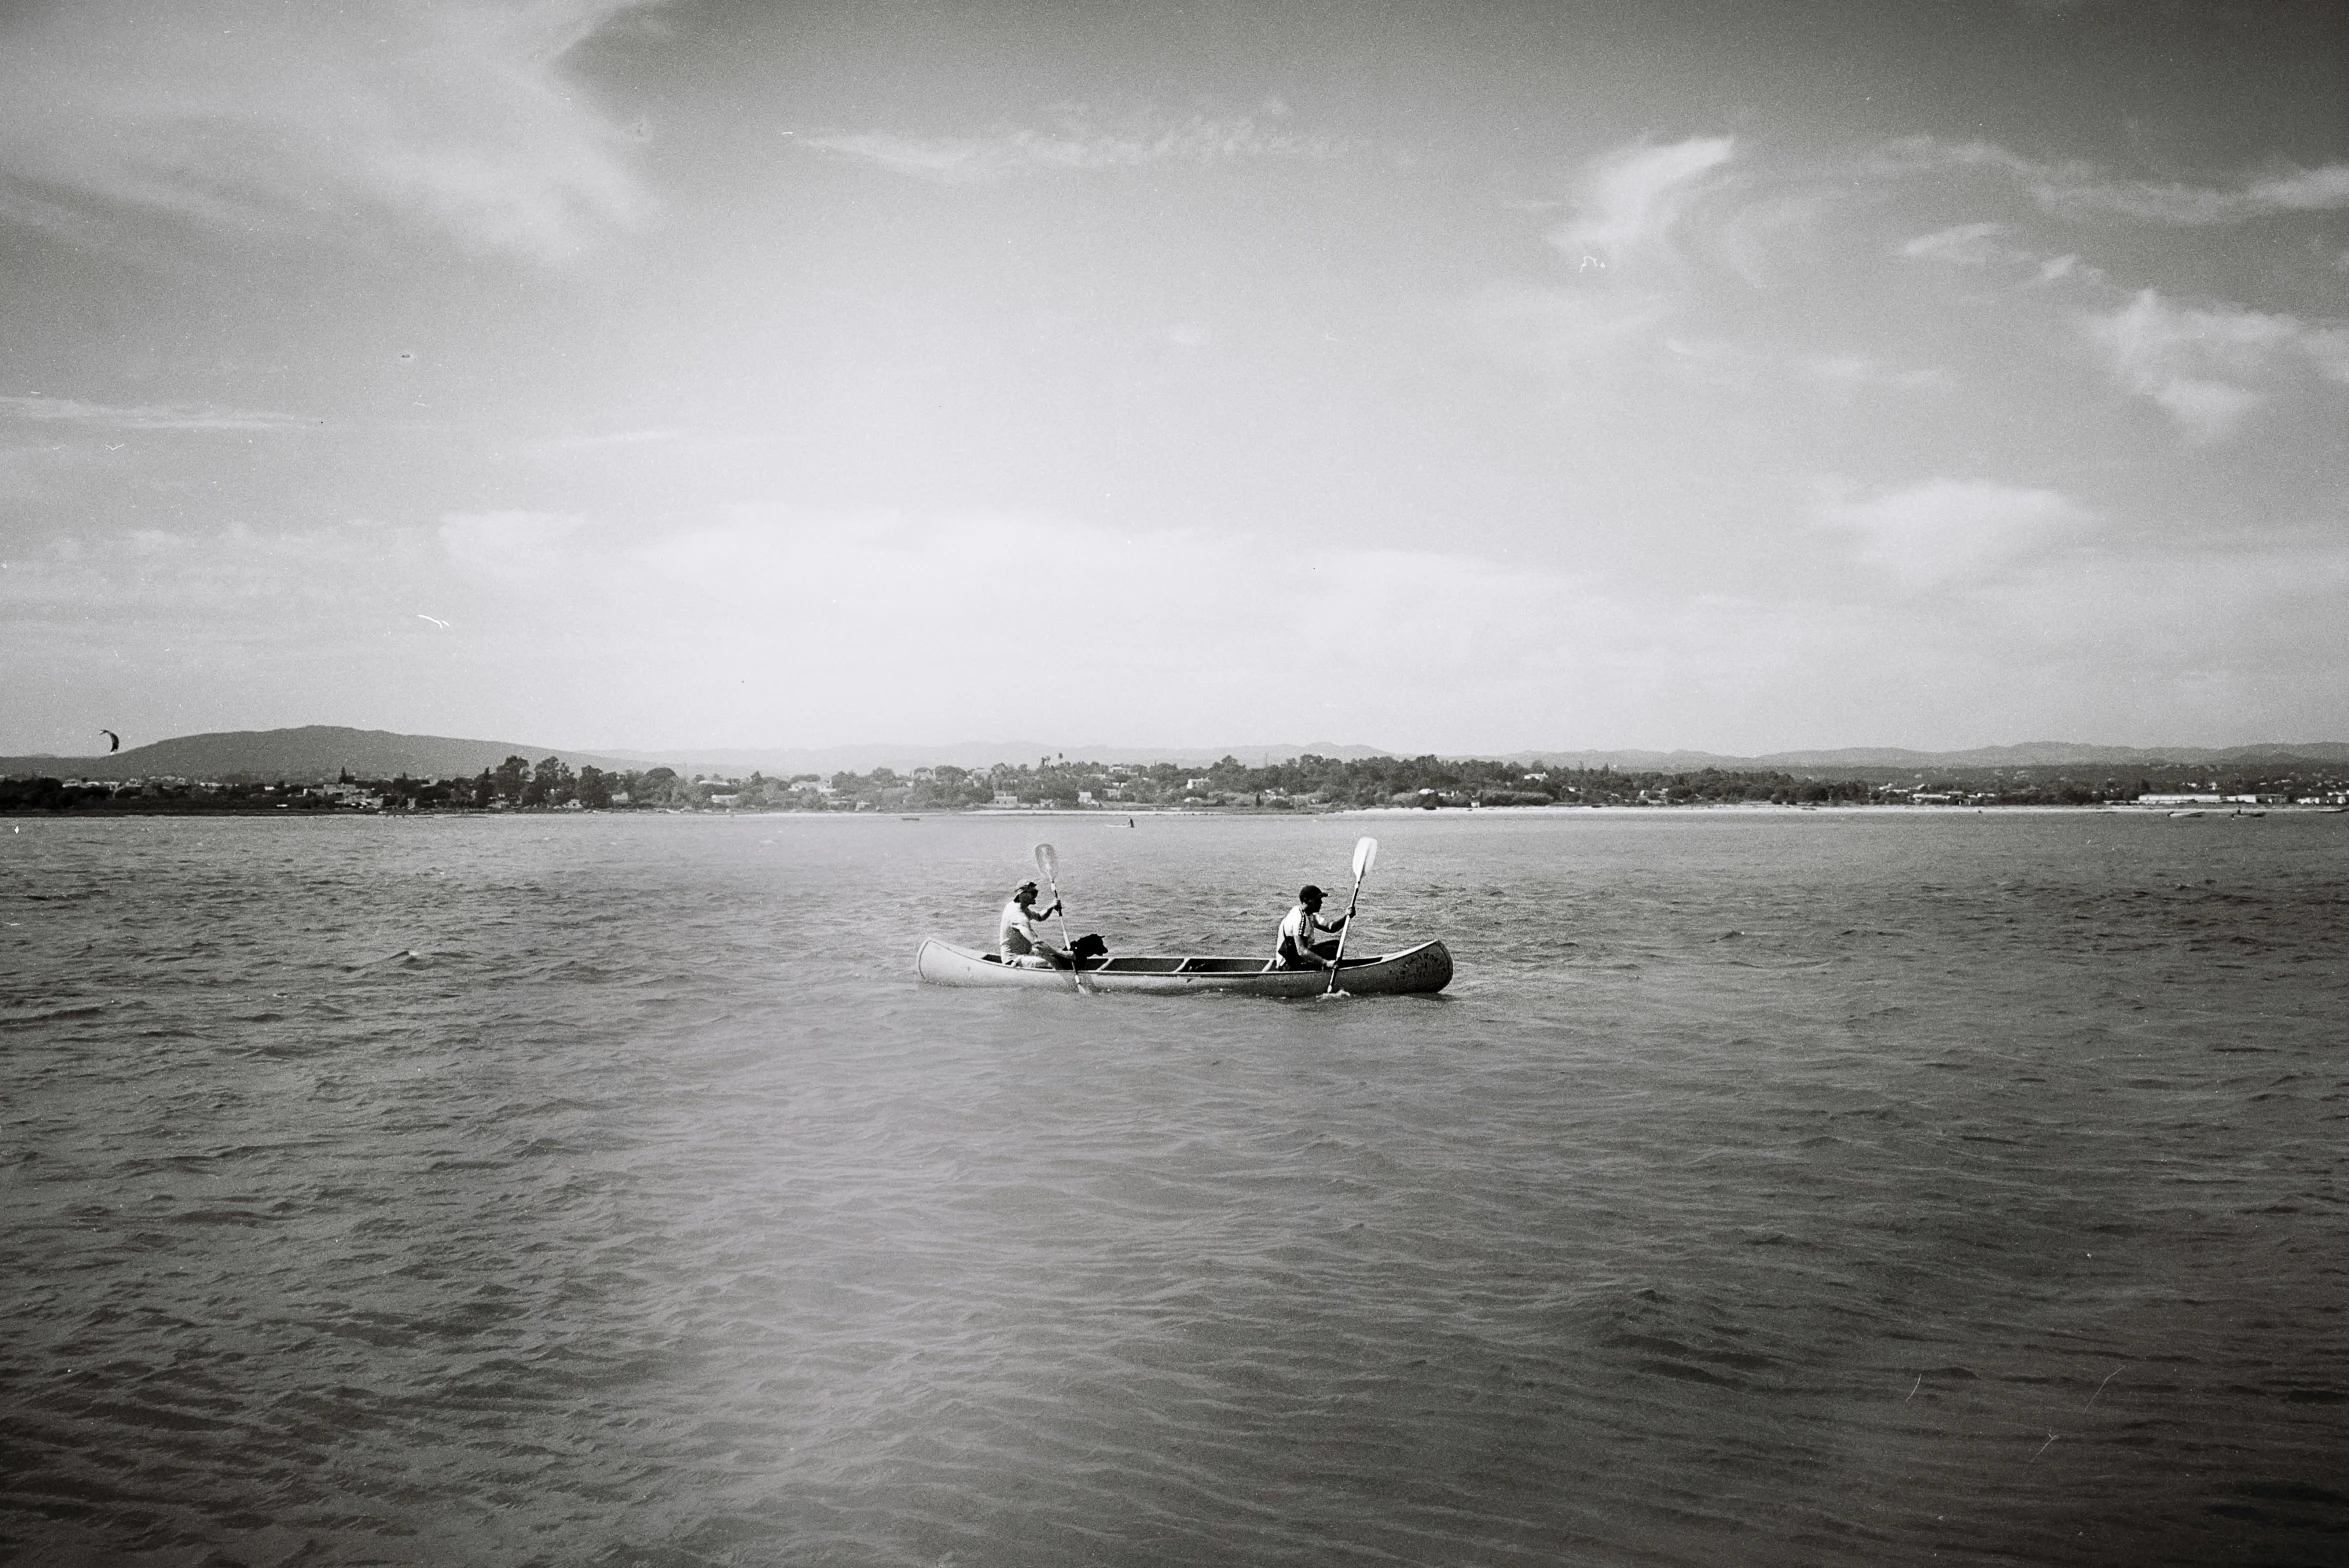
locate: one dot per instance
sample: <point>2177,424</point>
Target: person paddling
<point>1016,938</point>
<point>1298,947</point>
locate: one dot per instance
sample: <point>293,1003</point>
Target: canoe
<point>1427,967</point>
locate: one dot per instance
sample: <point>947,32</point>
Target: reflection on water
<point>1807,1188</point>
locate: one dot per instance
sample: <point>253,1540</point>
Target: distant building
<point>2178,800</point>
<point>1084,797</point>
<point>1004,797</point>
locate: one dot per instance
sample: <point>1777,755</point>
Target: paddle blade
<point>1048,862</point>
<point>1365,856</point>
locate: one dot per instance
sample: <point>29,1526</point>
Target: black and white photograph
<point>1022,784</point>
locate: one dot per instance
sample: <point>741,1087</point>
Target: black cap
<point>1308,894</point>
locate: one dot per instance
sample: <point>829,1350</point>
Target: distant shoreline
<point>1310,784</point>
<point>177,809</point>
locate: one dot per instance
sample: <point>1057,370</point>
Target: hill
<point>309,754</point>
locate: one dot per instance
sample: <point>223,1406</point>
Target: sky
<point>1453,377</point>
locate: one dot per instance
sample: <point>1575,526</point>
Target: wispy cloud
<point>2210,367</point>
<point>242,113</point>
<point>1075,143</point>
<point>2075,188</point>
<point>1855,371</point>
<point>1964,245</point>
<point>1945,533</point>
<point>151,416</point>
<point>1630,201</point>
<point>1622,254</point>
<point>1755,369</point>
<point>605,440</point>
<point>1985,245</point>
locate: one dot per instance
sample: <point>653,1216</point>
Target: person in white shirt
<point>1298,949</point>
<point>1016,938</point>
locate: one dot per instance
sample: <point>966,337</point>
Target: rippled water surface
<point>1769,1188</point>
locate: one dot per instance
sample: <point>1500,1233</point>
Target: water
<point>1770,1189</point>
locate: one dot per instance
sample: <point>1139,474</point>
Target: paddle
<point>1365,856</point>
<point>1048,862</point>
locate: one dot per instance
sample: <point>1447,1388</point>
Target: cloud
<point>242,113</point>
<point>1074,144</point>
<point>1620,246</point>
<point>1854,371</point>
<point>773,627</point>
<point>2324,189</point>
<point>1771,240</point>
<point>1964,245</point>
<point>153,416</point>
<point>1630,200</point>
<point>2070,268</point>
<point>507,546</point>
<point>603,441</point>
<point>2210,367</point>
<point>1946,533</point>
<point>2256,606</point>
<point>2075,188</point>
<point>1759,371</point>
<point>901,615</point>
<point>1984,246</point>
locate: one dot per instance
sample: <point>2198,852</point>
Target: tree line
<point>1305,783</point>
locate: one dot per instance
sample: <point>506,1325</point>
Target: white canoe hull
<point>1427,967</point>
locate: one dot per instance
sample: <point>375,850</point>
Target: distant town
<point>1305,784</point>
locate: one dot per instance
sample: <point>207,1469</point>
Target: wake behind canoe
<point>1425,968</point>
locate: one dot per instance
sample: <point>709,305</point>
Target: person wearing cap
<point>1016,938</point>
<point>1298,949</point>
